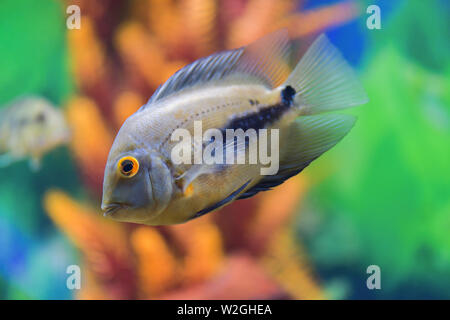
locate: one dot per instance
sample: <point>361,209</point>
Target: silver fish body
<point>246,88</point>
<point>30,127</point>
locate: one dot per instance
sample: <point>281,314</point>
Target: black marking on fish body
<point>266,115</point>
<point>40,117</point>
<point>260,119</point>
<point>221,202</point>
<point>287,95</point>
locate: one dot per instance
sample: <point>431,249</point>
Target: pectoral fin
<point>185,180</point>
<point>196,170</point>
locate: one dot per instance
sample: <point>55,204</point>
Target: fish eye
<point>128,166</point>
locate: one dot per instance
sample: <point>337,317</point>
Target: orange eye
<point>128,166</point>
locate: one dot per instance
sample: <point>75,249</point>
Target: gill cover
<point>161,184</point>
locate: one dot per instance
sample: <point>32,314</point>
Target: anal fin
<point>223,202</point>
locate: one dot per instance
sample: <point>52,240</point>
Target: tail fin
<point>324,81</point>
<point>311,136</point>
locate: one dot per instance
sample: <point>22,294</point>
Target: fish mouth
<point>110,208</point>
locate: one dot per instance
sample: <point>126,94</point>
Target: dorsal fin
<point>267,58</point>
<point>213,67</point>
<point>262,62</point>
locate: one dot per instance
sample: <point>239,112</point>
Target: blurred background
<point>380,197</point>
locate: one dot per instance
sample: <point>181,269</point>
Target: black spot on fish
<point>40,117</point>
<point>287,95</point>
<point>260,119</point>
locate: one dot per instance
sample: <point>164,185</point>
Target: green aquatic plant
<point>388,203</point>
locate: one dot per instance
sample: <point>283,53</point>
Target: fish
<point>30,126</point>
<point>249,88</point>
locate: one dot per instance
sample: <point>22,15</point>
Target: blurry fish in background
<point>245,88</point>
<point>143,43</point>
<point>30,127</point>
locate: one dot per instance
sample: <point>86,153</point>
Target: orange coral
<point>157,266</point>
<point>301,24</point>
<point>258,19</point>
<point>91,287</point>
<point>91,139</point>
<point>240,278</point>
<point>127,103</point>
<point>201,242</point>
<point>141,52</point>
<point>275,210</point>
<point>88,57</point>
<point>164,22</point>
<point>285,260</point>
<point>103,242</point>
<point>200,19</point>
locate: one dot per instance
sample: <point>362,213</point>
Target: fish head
<point>40,124</point>
<point>137,185</point>
<point>48,122</point>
